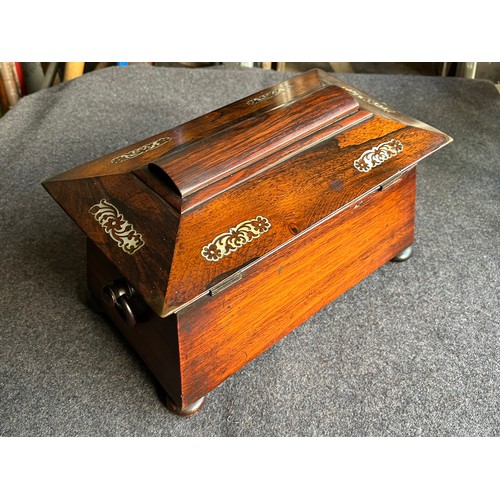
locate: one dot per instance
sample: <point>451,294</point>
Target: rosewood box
<point>210,242</point>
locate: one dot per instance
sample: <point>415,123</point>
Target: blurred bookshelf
<point>18,79</point>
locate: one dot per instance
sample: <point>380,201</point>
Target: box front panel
<point>220,334</point>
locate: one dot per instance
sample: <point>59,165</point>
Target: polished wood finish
<point>193,167</point>
<point>193,351</point>
<point>293,160</point>
<point>293,195</point>
<point>197,129</point>
<point>286,153</point>
<point>284,290</point>
<point>152,337</point>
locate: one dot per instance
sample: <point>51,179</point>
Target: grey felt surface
<point>414,349</point>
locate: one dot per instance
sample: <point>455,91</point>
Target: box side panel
<point>134,227</point>
<point>219,334</point>
<point>153,338</point>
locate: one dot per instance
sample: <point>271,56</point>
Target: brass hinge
<point>392,180</point>
<point>219,287</point>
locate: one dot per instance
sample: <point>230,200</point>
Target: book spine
<point>4,101</point>
<point>33,76</point>
<point>18,71</point>
<point>10,83</point>
<point>50,74</point>
<point>73,70</point>
<point>16,79</point>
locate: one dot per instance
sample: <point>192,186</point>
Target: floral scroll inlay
<point>113,222</point>
<point>268,95</point>
<point>141,150</point>
<point>235,238</point>
<point>377,155</point>
<point>369,100</point>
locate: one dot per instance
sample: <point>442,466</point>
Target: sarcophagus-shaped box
<point>210,242</point>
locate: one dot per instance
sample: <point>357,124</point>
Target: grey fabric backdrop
<point>412,350</point>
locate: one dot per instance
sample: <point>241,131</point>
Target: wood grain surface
<point>220,334</point>
<point>193,351</point>
<point>285,155</point>
<point>153,338</point>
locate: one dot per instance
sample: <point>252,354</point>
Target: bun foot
<point>188,411</point>
<point>403,255</point>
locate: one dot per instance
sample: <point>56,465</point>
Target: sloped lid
<point>232,186</point>
<point>199,164</point>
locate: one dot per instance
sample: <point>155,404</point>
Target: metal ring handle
<point>116,295</point>
<point>125,311</point>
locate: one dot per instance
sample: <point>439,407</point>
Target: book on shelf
<point>33,76</point>
<point>4,101</point>
<point>19,75</point>
<point>9,80</point>
<point>73,70</point>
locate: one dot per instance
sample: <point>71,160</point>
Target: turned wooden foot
<point>403,255</point>
<point>188,411</point>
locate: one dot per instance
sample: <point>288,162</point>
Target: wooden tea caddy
<point>210,242</point>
